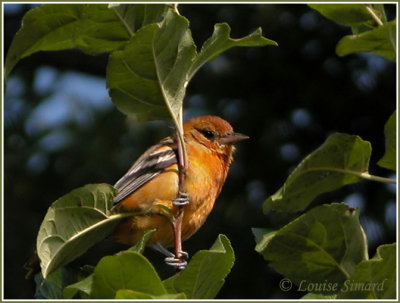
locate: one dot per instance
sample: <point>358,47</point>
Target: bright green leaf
<point>206,272</point>
<point>339,161</point>
<point>324,244</point>
<point>389,159</point>
<point>380,40</point>
<point>125,270</point>
<point>74,223</point>
<point>347,14</point>
<point>375,278</point>
<point>126,294</point>
<point>141,245</point>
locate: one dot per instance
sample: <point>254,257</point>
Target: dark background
<point>61,132</point>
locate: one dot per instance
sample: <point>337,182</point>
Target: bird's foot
<point>179,263</point>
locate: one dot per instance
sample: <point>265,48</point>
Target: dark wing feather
<point>153,162</point>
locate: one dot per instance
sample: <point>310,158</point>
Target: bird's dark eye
<point>207,133</point>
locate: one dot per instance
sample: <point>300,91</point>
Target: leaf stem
<point>374,16</point>
<point>365,175</point>
<point>123,21</point>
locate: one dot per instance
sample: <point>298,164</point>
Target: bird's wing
<point>153,162</point>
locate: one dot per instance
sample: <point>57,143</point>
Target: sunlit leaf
<point>206,272</point>
<point>125,270</point>
<point>380,40</point>
<point>375,278</point>
<point>389,158</point>
<point>337,162</point>
<point>126,294</point>
<point>347,14</point>
<point>74,223</point>
<point>324,244</point>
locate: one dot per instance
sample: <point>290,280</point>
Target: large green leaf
<point>324,244</point>
<point>152,72</point>
<point>127,294</point>
<point>375,278</point>
<point>389,159</point>
<point>206,272</point>
<point>93,28</point>
<point>347,14</point>
<point>341,160</point>
<point>380,40</point>
<point>74,223</point>
<point>125,270</point>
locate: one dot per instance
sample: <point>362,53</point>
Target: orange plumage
<point>153,181</point>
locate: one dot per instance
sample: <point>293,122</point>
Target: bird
<point>151,186</point>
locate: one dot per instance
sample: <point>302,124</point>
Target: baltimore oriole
<point>152,184</point>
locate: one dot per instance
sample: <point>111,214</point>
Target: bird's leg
<point>180,256</point>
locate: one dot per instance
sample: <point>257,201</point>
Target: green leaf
<point>74,223</point>
<point>375,278</point>
<point>380,40</point>
<point>93,28</point>
<point>206,272</point>
<point>389,159</point>
<point>125,270</point>
<point>141,245</point>
<point>341,160</point>
<point>152,72</point>
<point>52,287</point>
<point>324,244</point>
<point>83,287</point>
<point>149,74</point>
<point>135,16</point>
<point>126,294</point>
<point>220,41</point>
<point>346,14</point>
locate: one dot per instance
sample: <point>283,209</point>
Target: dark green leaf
<point>324,244</point>
<point>152,72</point>
<point>380,40</point>
<point>220,41</point>
<point>135,16</point>
<point>52,287</point>
<point>206,272</point>
<point>91,27</point>
<point>74,223</point>
<point>375,278</point>
<point>347,14</point>
<point>83,287</point>
<point>389,159</point>
<point>125,270</point>
<point>313,296</point>
<point>337,162</point>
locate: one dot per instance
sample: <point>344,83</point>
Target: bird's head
<point>212,132</point>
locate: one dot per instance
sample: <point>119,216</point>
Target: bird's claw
<point>176,262</point>
<point>181,200</point>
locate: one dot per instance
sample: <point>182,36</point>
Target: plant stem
<point>374,16</point>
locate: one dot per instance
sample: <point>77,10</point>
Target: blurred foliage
<point>287,99</point>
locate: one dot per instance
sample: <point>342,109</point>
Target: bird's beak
<point>232,138</point>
